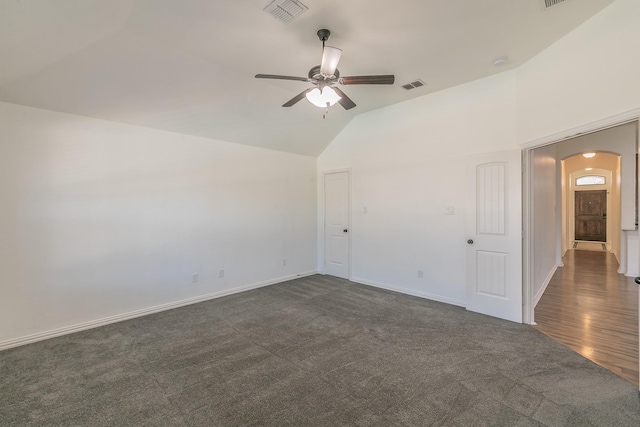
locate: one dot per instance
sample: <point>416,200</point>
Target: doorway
<point>590,216</point>
<point>591,197</point>
<point>337,246</point>
<point>552,208</point>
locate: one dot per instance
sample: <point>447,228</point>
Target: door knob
<point>345,230</point>
<point>637,279</point>
<point>470,241</point>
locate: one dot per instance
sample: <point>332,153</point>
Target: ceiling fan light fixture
<point>320,98</point>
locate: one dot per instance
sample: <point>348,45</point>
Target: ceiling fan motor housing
<point>314,73</point>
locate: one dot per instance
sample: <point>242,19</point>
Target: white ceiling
<point>188,66</point>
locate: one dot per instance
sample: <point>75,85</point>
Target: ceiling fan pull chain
<point>326,111</point>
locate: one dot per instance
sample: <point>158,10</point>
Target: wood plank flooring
<point>593,310</point>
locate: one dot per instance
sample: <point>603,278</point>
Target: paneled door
<point>494,234</point>
<point>637,279</point>
<point>591,215</point>
<point>336,224</point>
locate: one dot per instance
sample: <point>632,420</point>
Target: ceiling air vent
<point>285,10</point>
<point>414,85</point>
<point>546,4</point>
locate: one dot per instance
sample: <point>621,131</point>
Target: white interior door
<point>336,224</point>
<point>637,279</point>
<point>494,233</point>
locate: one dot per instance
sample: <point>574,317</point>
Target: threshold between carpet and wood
<point>315,351</point>
<point>592,309</point>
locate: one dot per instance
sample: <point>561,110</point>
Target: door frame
<point>321,219</point>
<point>527,195</point>
<point>573,189</point>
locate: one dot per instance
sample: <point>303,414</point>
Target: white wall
<point>589,75</point>
<point>408,163</point>
<point>100,219</point>
<point>633,253</point>
<point>543,206</point>
<point>407,160</point>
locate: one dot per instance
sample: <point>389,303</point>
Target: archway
<point>575,170</point>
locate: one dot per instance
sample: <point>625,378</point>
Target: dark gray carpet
<point>316,351</point>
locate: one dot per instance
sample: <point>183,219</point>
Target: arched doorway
<point>591,202</point>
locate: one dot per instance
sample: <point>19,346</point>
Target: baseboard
<point>538,295</point>
<point>411,292</point>
<point>16,342</point>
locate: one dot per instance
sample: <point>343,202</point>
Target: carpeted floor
<point>316,351</point>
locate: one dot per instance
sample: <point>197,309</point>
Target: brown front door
<point>591,215</point>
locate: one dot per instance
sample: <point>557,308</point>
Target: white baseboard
<point>411,292</point>
<point>143,312</point>
<point>538,295</point>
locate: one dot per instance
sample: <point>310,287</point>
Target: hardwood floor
<point>593,310</point>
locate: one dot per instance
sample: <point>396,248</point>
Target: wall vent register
<point>546,4</point>
<point>413,85</point>
<point>285,10</point>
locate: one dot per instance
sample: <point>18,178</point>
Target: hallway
<point>593,310</point>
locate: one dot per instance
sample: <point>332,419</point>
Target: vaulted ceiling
<point>188,66</point>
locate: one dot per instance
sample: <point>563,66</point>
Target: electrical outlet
<point>195,278</point>
<point>420,274</point>
<point>284,262</point>
<point>221,274</point>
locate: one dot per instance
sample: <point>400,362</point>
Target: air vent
<point>546,4</point>
<point>414,85</point>
<point>285,10</point>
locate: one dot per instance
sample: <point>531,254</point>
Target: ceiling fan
<point>325,75</point>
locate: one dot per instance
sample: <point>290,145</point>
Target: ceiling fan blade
<point>277,77</point>
<point>345,101</point>
<point>330,58</point>
<point>387,79</point>
<point>296,98</point>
